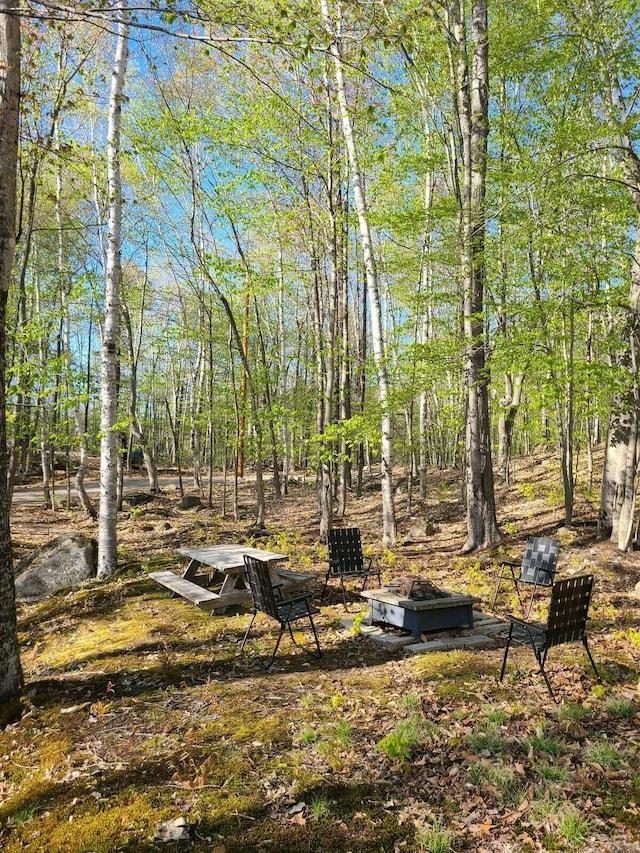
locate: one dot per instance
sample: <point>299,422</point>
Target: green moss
<point>453,672</point>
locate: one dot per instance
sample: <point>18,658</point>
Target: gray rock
<point>420,530</point>
<point>189,502</point>
<point>67,561</point>
<point>637,590</point>
<point>138,498</point>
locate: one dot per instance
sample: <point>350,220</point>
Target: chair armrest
<point>509,563</point>
<point>531,628</point>
<point>297,598</point>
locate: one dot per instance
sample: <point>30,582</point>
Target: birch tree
<point>333,28</point>
<point>107,535</point>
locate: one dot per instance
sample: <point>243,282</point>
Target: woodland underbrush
<point>144,729</point>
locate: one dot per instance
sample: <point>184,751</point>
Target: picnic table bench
<point>224,564</point>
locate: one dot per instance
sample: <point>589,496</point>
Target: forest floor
<point>144,729</point>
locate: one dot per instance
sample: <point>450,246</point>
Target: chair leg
<point>275,651</point>
<point>495,593</point>
<point>499,584</point>
<point>541,662</point>
<point>506,651</point>
<point>535,586</point>
<point>246,633</point>
<point>318,653</point>
<point>586,646</point>
<point>324,588</point>
<point>344,594</point>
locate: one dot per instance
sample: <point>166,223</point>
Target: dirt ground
<point>141,718</point>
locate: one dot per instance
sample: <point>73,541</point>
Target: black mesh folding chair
<point>268,599</point>
<point>538,568</point>
<point>346,560</point>
<point>566,623</point>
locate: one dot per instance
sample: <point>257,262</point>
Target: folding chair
<point>267,598</point>
<point>346,560</point>
<point>566,622</point>
<point>538,568</point>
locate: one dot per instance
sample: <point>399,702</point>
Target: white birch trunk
<point>373,291</point>
<point>107,535</point>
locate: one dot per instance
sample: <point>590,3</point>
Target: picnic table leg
<point>229,584</point>
<point>191,572</point>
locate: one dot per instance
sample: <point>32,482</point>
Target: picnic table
<point>223,566</point>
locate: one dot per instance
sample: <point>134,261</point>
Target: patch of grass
<point>541,742</point>
<point>319,807</point>
<point>553,773</point>
<point>488,740</point>
<point>308,736</point>
<point>411,702</point>
<point>499,777</point>
<point>497,715</point>
<point>574,828</point>
<point>606,755</point>
<point>435,839</point>
<point>621,708</point>
<point>549,805</point>
<point>341,733</point>
<point>572,711</point>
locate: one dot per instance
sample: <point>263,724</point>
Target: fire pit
<point>396,605</point>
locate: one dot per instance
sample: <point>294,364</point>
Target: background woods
<point>349,239</point>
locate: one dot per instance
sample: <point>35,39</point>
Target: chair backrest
<point>539,560</point>
<point>261,586</point>
<point>568,609</point>
<point>345,551</point>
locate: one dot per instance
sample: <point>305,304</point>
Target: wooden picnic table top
<point>229,558</point>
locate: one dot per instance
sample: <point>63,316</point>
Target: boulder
<point>67,561</point>
<point>189,502</point>
<point>137,498</point>
<point>420,530</point>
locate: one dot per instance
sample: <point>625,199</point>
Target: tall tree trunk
<point>619,479</point>
<point>345,359</point>
<point>109,451</point>
<point>242,406</point>
<point>472,96</point>
<point>134,424</point>
<point>10,670</point>
<point>284,369</point>
<point>373,291</point>
<point>509,405</point>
